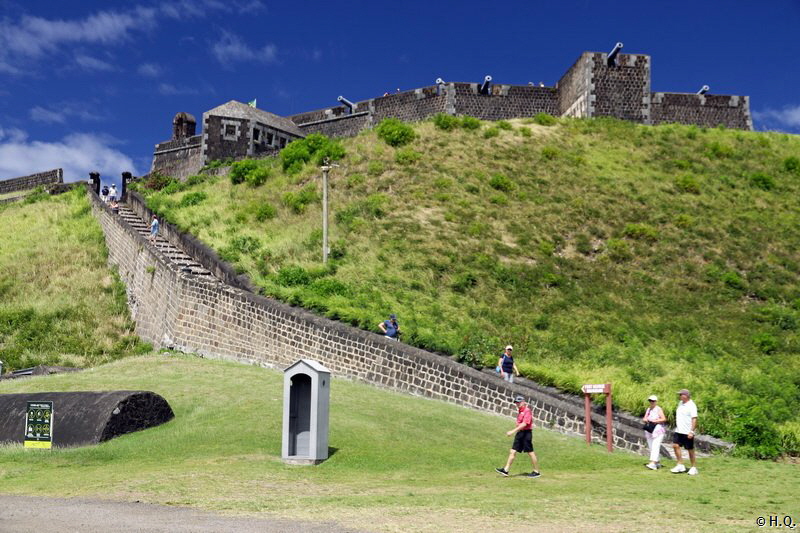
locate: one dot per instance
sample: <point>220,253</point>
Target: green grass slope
<point>401,463</point>
<point>59,302</point>
<point>656,258</point>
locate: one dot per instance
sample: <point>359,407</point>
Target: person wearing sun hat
<point>654,432</point>
<point>507,365</point>
<point>685,426</point>
<point>523,438</point>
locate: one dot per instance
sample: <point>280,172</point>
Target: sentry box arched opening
<point>306,397</point>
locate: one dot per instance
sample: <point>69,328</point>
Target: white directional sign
<point>595,388</point>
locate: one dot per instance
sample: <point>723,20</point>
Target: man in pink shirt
<point>523,441</point>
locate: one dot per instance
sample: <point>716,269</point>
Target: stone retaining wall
<point>32,181</point>
<point>180,311</point>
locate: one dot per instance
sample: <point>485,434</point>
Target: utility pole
<point>326,167</point>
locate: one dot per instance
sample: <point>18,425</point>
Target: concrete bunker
<point>84,418</point>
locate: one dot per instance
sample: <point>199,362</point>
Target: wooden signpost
<point>602,388</point>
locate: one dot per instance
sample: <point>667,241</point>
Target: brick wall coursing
<point>506,101</point>
<point>32,181</point>
<point>573,89</point>
<point>701,109</point>
<point>344,126</point>
<point>184,312</point>
<point>217,147</point>
<point>621,91</point>
<point>410,106</point>
<point>179,158</point>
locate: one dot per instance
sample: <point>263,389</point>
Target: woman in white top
<point>655,415</point>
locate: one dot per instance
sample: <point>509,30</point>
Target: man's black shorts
<point>523,441</point>
<point>683,440</point>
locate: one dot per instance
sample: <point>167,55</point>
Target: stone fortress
<point>597,85</point>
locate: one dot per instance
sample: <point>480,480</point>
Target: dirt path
<point>28,514</point>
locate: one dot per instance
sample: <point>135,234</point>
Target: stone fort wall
<point>209,317</point>
<point>32,181</point>
<point>590,88</point>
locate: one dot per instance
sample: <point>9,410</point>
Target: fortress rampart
<point>596,85</point>
<point>23,183</point>
<point>175,309</point>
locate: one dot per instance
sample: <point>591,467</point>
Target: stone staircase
<point>171,252</point>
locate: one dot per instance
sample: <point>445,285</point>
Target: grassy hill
<point>59,302</point>
<point>656,258</point>
<point>400,463</point>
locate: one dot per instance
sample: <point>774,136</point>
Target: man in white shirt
<point>685,426</point>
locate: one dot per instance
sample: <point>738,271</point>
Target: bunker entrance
<point>300,415</point>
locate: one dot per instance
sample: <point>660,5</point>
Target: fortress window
<point>230,130</point>
<point>269,139</point>
<point>282,142</point>
<point>256,134</point>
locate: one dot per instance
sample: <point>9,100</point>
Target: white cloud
<point>167,89</point>
<point>59,113</point>
<point>788,116</point>
<point>151,70</point>
<point>92,63</point>
<point>12,134</point>
<point>48,116</point>
<point>231,49</point>
<point>78,154</point>
<point>33,38</point>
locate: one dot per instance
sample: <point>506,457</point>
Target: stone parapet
<point>32,181</point>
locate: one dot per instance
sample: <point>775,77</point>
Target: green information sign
<point>39,425</point>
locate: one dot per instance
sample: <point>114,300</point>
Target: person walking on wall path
<point>507,365</point>
<point>685,426</point>
<point>523,439</point>
<point>390,328</point>
<point>654,431</point>
<point>154,229</point>
<point>104,193</point>
<point>112,193</point>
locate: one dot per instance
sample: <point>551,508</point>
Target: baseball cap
<point>653,397</point>
<point>519,398</point>
<point>393,316</point>
<point>684,391</point>
<point>509,347</point>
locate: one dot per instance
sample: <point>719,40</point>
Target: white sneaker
<point>693,471</point>
<point>679,469</point>
<point>651,466</point>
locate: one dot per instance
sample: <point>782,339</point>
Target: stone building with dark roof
<point>596,85</point>
<point>235,130</point>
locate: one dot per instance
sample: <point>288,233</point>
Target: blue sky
<point>94,84</point>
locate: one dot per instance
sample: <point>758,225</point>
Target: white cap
<point>653,397</point>
<point>509,347</point>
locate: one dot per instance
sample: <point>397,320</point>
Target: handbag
<point>649,426</point>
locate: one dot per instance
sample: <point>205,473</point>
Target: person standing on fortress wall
<point>104,193</point>
<point>115,207</point>
<point>112,193</point>
<point>654,431</point>
<point>154,229</point>
<point>523,440</point>
<point>507,365</point>
<point>390,328</point>
<point>685,426</point>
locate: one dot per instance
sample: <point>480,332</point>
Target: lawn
<point>59,302</point>
<point>400,463</point>
<point>656,258</point>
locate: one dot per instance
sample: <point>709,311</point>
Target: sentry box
<point>306,397</point>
